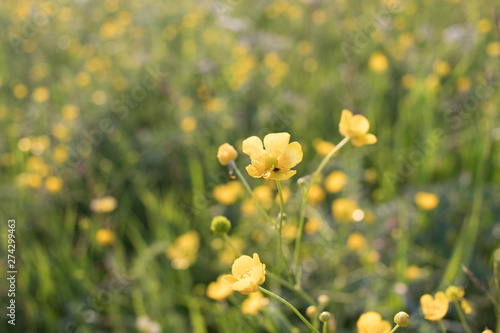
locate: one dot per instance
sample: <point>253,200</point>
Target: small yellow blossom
<point>484,26</point>
<point>322,147</point>
<point>493,49</point>
<point>188,124</point>
<point>264,195</point>
<point>248,207</point>
<point>41,94</point>
<point>53,184</point>
<point>378,62</point>
<point>219,289</point>
<point>316,194</point>
<point>226,154</point>
<point>455,293</point>
<point>343,209</point>
<point>466,306</point>
<point>434,308</point>
<point>276,160</point>
<point>312,226</point>
<point>356,242</point>
<point>289,231</point>
<point>371,322</point>
<point>103,205</point>
<point>442,68</point>
<point>253,303</point>
<point>356,128</point>
<point>105,237</point>
<point>335,181</point>
<point>426,200</point>
<point>247,274</point>
<point>227,194</point>
<point>286,195</point>
<point>184,251</point>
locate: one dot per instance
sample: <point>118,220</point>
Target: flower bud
<point>455,293</point>
<point>226,154</point>
<point>325,316</point>
<point>487,331</point>
<point>311,311</point>
<point>402,319</point>
<point>220,225</point>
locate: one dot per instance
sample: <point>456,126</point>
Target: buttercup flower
<point>185,250</point>
<point>276,160</point>
<point>371,322</point>
<point>455,293</point>
<point>434,308</point>
<point>343,209</point>
<point>103,205</point>
<point>356,128</point>
<point>253,303</point>
<point>226,154</point>
<point>402,319</point>
<point>426,200</point>
<point>227,194</point>
<point>247,274</point>
<point>105,237</point>
<point>219,289</point>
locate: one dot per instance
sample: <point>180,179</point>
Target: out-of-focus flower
<point>184,251</point>
<point>322,147</point>
<point>343,209</point>
<point>356,128</point>
<point>253,303</point>
<point>487,331</point>
<point>248,207</point>
<point>145,325</point>
<point>227,194</point>
<point>466,306</point>
<point>219,289</point>
<point>378,62</point>
<point>289,231</point>
<point>188,124</point>
<point>312,226</point>
<point>276,160</point>
<point>311,311</point>
<point>103,205</point>
<point>493,49</point>
<point>247,274</point>
<point>442,68</point>
<point>371,322</point>
<point>426,200</point>
<point>226,154</point>
<point>455,293</point>
<point>434,308</point>
<point>356,242</point>
<point>53,184</point>
<point>335,181</point>
<point>105,237</point>
<point>463,83</point>
<point>484,26</point>
<point>264,195</point>
<point>220,225</point>
<point>41,94</point>
<point>286,195</point>
<point>316,194</point>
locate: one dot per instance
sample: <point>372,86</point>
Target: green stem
<point>394,329</point>
<point>249,190</point>
<point>231,244</point>
<point>461,315</point>
<point>280,228</point>
<point>290,286</point>
<point>302,217</point>
<point>443,329</point>
<point>325,329</point>
<point>284,301</point>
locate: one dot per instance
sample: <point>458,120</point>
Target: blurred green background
<point>130,100</point>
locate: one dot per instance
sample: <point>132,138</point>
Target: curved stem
<point>461,315</point>
<point>394,329</point>
<point>231,244</point>
<point>249,190</point>
<point>284,301</point>
<point>302,217</point>
<point>290,286</point>
<point>443,329</point>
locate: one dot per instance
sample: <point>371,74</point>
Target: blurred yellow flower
<point>312,226</point>
<point>426,200</point>
<point>463,83</point>
<point>41,94</point>
<point>356,128</point>
<point>442,68</point>
<point>356,242</point>
<point>226,154</point>
<point>188,124</point>
<point>343,209</point>
<point>322,147</point>
<point>219,289</point>
<point>335,181</point>
<point>487,331</point>
<point>371,322</point>
<point>286,195</point>
<point>276,160</point>
<point>103,205</point>
<point>318,16</point>
<point>316,194</point>
<point>378,62</point>
<point>253,303</point>
<point>493,49</point>
<point>412,272</point>
<point>434,308</point>
<point>70,112</point>
<point>105,237</point>
<point>289,231</point>
<point>248,207</point>
<point>227,194</point>
<point>408,81</point>
<point>247,274</point>
<point>184,251</point>
<point>484,26</point>
<point>99,97</point>
<point>432,83</point>
<point>455,293</point>
<point>466,306</point>
<point>53,184</point>
<point>20,90</point>
<point>60,154</point>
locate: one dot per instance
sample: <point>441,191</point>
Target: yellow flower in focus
<point>105,237</point>
<point>103,205</point>
<point>426,200</point>
<point>335,181</point>
<point>356,242</point>
<point>184,251</point>
<point>227,194</point>
<point>356,128</point>
<point>371,322</point>
<point>53,184</point>
<point>378,62</point>
<point>322,147</point>
<point>219,289</point>
<point>434,308</point>
<point>226,154</point>
<point>276,160</point>
<point>253,303</point>
<point>343,209</point>
<point>316,194</point>
<point>247,274</point>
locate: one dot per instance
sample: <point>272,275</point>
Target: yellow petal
<point>253,172</point>
<point>426,300</point>
<point>276,143</point>
<point>367,139</point>
<point>244,286</point>
<point>359,125</point>
<point>256,259</point>
<point>253,147</point>
<point>293,155</point>
<point>229,279</point>
<point>281,175</point>
<point>441,297</point>
<point>242,265</point>
<point>345,120</point>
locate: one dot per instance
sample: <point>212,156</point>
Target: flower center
<point>272,163</point>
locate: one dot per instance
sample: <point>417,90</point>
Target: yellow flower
<point>455,293</point>
<point>247,274</point>
<point>378,62</point>
<point>226,154</point>
<point>219,289</point>
<point>316,194</point>
<point>426,200</point>
<point>343,209</point>
<point>276,160</point>
<point>265,195</point>
<point>356,128</point>
<point>312,226</point>
<point>465,306</point>
<point>103,205</point>
<point>53,184</point>
<point>105,237</point>
<point>335,181</point>
<point>253,303</point>
<point>322,147</point>
<point>356,242</point>
<point>487,331</point>
<point>185,250</point>
<point>371,322</point>
<point>434,308</point>
<point>227,194</point>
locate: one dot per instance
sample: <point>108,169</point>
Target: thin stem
<point>325,329</point>
<point>284,301</point>
<point>280,228</point>
<point>394,329</point>
<point>290,286</point>
<point>302,217</point>
<point>461,315</point>
<point>231,244</point>
<point>443,329</point>
<point>249,190</point>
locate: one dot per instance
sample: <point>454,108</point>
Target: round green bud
<point>220,225</point>
<point>402,319</point>
<point>325,316</point>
